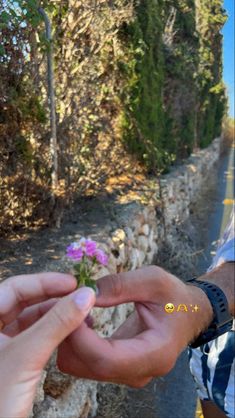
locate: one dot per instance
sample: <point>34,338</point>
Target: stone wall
<point>132,240</point>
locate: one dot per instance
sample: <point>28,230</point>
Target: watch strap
<point>222,320</point>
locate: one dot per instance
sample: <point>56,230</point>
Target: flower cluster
<point>85,255</point>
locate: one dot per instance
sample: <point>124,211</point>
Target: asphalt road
<point>219,209</point>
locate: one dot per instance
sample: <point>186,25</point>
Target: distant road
<point>228,202</point>
<point>221,209</point>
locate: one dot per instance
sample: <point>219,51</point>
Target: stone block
<point>130,235</point>
<point>112,263</point>
<point>119,315</point>
<point>150,256</point>
<point>143,243</point>
<point>141,258</point>
<point>145,229</point>
<point>136,225</point>
<point>103,271</point>
<point>118,236</point>
<point>151,237</point>
<point>72,404</point>
<point>134,259</point>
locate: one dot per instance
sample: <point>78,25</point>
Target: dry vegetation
<point>129,79</point>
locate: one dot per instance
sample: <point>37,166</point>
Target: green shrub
<point>174,98</point>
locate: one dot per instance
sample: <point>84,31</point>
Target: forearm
<point>223,277</point>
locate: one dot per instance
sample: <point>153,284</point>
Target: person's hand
<point>33,324</point>
<point>149,341</point>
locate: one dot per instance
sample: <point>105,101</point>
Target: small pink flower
<point>82,244</point>
<point>74,251</point>
<point>101,257</point>
<point>90,248</point>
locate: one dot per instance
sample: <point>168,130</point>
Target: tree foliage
<point>175,98</point>
<point>137,82</point>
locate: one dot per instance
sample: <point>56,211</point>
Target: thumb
<point>140,285</point>
<point>41,339</point>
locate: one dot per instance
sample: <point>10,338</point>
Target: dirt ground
<point>29,250</point>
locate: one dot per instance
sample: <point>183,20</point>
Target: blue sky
<point>228,53</point>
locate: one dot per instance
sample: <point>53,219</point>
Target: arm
<point>149,342</point>
<point>223,277</point>
<point>221,272</point>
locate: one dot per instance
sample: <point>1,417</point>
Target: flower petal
<point>74,252</point>
<point>101,257</point>
<point>91,247</point>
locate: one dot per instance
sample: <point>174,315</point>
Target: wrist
<point>223,277</point>
<point>221,321</point>
<point>200,320</point>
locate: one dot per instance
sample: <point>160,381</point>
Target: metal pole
<point>51,98</point>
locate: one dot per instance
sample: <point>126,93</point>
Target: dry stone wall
<point>141,231</point>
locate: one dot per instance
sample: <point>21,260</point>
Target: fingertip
<point>112,289</point>
<point>70,277</point>
<point>66,279</point>
<point>84,298</point>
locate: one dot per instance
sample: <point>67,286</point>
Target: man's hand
<point>33,324</point>
<point>149,341</point>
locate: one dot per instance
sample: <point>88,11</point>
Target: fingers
<point>143,347</point>
<point>116,356</point>
<point>28,317</point>
<point>40,340</point>
<point>86,355</point>
<point>130,328</point>
<point>69,362</point>
<point>19,292</point>
<point>4,339</point>
<point>132,286</point>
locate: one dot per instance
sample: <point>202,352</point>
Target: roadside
<point>212,212</point>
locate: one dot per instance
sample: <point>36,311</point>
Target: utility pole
<point>51,100</point>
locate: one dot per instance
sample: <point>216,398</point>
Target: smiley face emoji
<point>169,307</point>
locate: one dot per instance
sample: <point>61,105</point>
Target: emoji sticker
<point>169,307</point>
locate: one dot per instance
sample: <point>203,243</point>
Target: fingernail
<point>89,321</point>
<point>83,297</point>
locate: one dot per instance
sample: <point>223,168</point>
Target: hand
<point>149,341</point>
<point>33,324</point>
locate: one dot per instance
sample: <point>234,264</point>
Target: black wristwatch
<point>222,321</point>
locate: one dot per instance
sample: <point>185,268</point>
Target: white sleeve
<point>226,250</point>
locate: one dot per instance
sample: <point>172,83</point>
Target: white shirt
<point>226,249</point>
